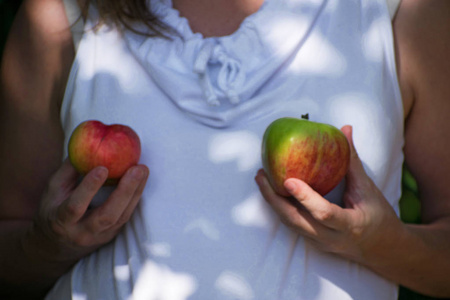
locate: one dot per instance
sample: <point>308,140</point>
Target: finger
<point>108,214</point>
<point>73,209</point>
<point>134,201</point>
<point>347,130</point>
<point>357,180</point>
<point>356,168</point>
<point>290,214</point>
<point>322,210</point>
<point>64,179</point>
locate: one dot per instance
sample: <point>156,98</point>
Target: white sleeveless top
<point>200,106</point>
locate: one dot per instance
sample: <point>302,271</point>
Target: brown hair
<point>125,14</point>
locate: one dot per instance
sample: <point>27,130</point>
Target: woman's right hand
<point>66,229</point>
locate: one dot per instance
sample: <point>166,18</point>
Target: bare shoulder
<point>422,31</point>
<point>39,45</point>
<point>34,69</point>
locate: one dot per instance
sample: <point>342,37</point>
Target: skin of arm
<point>44,227</point>
<point>367,230</point>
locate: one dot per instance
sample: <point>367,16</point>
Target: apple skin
<point>116,147</point>
<point>317,153</point>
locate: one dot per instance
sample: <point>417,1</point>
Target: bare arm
<point>33,71</point>
<point>367,230</point>
<point>44,228</point>
<point>422,31</point>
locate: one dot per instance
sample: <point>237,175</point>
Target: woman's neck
<point>216,17</point>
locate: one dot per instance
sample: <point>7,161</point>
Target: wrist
<point>385,246</point>
<point>42,251</point>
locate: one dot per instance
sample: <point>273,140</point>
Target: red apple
<point>116,147</point>
<point>316,153</point>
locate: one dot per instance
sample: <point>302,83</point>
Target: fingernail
<point>137,173</point>
<point>100,173</point>
<point>289,186</point>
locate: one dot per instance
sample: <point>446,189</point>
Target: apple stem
<point>305,117</point>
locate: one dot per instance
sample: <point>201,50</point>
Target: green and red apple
<point>316,153</point>
<point>116,147</point>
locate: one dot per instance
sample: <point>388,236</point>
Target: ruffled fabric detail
<point>217,80</point>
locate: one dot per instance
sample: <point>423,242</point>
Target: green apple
<point>116,147</point>
<point>316,153</point>
<point>410,207</point>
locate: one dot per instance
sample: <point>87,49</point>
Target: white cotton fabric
<point>200,106</point>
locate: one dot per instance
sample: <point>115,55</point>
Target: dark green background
<point>8,9</point>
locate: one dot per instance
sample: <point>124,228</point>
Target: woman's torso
<point>200,106</point>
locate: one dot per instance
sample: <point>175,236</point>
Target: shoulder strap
<point>393,6</point>
<point>76,22</point>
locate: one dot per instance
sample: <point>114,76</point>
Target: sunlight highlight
<point>241,147</point>
<point>157,282</point>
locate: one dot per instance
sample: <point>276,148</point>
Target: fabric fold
<point>216,72</point>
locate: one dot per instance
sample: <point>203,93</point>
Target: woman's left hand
<point>366,223</point>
